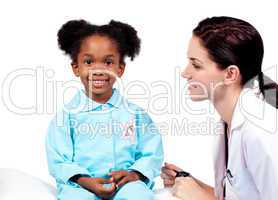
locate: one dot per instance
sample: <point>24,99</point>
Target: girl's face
<point>204,77</point>
<point>98,65</point>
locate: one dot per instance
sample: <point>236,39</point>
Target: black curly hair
<point>73,32</point>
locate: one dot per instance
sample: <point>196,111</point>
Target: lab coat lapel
<point>219,162</point>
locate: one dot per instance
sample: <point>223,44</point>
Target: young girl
<point>227,53</point>
<point>106,147</point>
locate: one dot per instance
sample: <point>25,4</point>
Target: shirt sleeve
<point>261,152</point>
<point>60,149</point>
<point>149,151</point>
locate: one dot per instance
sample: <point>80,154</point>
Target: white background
<point>28,40</point>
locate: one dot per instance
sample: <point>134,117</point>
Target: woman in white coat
<point>225,58</point>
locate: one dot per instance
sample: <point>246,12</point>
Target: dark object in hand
<point>182,174</point>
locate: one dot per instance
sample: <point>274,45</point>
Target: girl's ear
<point>232,75</point>
<point>75,69</point>
<point>121,70</point>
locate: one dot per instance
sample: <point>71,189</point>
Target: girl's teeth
<point>98,82</point>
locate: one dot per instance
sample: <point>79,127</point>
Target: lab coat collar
<point>238,117</point>
<point>82,103</point>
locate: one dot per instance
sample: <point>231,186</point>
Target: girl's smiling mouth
<point>99,82</point>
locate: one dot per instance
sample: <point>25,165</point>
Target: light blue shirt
<point>91,138</point>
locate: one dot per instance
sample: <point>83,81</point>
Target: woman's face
<point>203,75</point>
<point>98,65</point>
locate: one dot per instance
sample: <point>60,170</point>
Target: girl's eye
<point>109,62</point>
<point>88,61</point>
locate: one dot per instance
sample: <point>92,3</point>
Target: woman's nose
<point>186,73</point>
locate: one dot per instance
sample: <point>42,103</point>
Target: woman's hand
<point>187,188</point>
<point>168,174</point>
<point>122,177</point>
<point>96,185</point>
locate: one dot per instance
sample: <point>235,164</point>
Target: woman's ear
<point>232,75</point>
<point>121,70</point>
<point>75,69</point>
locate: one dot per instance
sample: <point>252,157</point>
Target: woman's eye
<point>88,61</point>
<point>196,66</point>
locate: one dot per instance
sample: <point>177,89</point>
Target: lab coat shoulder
<point>260,148</point>
<point>260,137</point>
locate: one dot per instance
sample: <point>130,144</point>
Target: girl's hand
<point>96,185</point>
<point>187,188</point>
<point>168,174</point>
<point>122,177</point>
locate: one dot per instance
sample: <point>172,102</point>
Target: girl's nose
<point>97,71</point>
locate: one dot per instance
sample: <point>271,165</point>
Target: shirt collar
<point>116,99</point>
<point>82,103</point>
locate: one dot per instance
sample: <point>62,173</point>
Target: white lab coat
<point>253,152</point>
